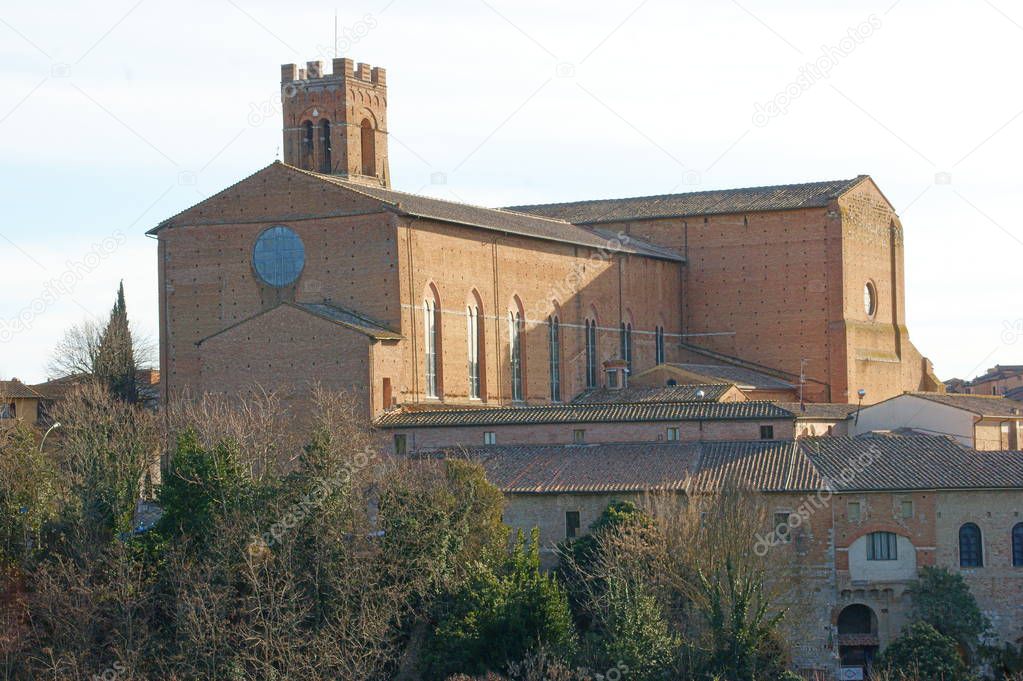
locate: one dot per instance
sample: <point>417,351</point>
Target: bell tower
<point>336,123</point>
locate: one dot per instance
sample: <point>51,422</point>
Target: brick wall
<point>689,431</point>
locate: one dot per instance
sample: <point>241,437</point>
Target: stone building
<point>315,270</point>
<point>854,518</point>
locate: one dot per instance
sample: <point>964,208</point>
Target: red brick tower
<point>336,123</point>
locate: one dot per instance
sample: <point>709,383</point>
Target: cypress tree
<point>115,361</point>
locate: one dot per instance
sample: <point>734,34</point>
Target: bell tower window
<point>326,165</point>
<point>369,148</point>
<point>307,145</point>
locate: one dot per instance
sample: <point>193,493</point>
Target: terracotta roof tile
<point>717,202</point>
<point>679,393</point>
<point>503,220</point>
<point>878,462</point>
<point>819,410</point>
<point>984,405</point>
<point>15,389</point>
<point>622,412</point>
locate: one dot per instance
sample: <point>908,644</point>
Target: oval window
<point>278,256</point>
<point>869,299</point>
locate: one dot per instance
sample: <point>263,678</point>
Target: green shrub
<point>921,651</point>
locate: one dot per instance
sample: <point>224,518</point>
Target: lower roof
<point>615,412</point>
<point>867,463</point>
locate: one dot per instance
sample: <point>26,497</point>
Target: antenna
<point>335,33</point>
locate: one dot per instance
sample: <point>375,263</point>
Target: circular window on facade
<point>869,299</point>
<point>278,256</point>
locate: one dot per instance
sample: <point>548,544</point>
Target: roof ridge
<point>658,197</point>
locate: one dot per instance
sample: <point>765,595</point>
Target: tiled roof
<point>741,376</point>
<point>770,466</point>
<point>983,405</point>
<point>1014,394</point>
<point>583,413</point>
<point>718,202</point>
<point>501,219</point>
<point>351,319</point>
<point>998,371</point>
<point>679,393</point>
<point>873,463</point>
<point>15,389</point>
<point>819,410</point>
<point>879,462</point>
<point>539,469</point>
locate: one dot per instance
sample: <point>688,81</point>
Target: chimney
<point>616,374</point>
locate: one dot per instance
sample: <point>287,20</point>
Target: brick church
<point>596,350</point>
<point>316,270</point>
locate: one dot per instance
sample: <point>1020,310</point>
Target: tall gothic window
<point>307,145</point>
<point>1017,545</point>
<point>369,148</point>
<point>325,163</point>
<point>626,344</point>
<point>554,346</point>
<point>515,349</point>
<point>591,353</point>
<point>430,346</point>
<point>971,550</point>
<point>659,345</point>
<point>473,337</point>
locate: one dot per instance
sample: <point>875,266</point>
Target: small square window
<point>673,435</point>
<point>578,436</point>
<point>571,524</point>
<point>906,509</point>
<point>766,432</point>
<point>400,444</point>
<point>489,438</point>
<point>853,511</point>
<point>782,529</point>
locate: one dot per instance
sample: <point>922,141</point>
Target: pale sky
<point>116,115</point>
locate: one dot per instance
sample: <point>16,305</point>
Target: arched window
<point>369,147</point>
<point>659,345</point>
<point>1017,545</point>
<point>307,145</point>
<point>971,550</point>
<point>554,346</point>
<point>515,352</point>
<point>431,343</point>
<point>473,337</point>
<point>626,344</point>
<point>591,353</point>
<point>325,163</point>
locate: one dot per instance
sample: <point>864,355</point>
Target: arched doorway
<point>857,639</point>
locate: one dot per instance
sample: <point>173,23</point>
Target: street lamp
<point>861,393</point>
<point>56,424</point>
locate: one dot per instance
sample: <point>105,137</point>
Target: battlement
<point>343,69</point>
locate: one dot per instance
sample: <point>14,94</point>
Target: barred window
<point>882,546</point>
